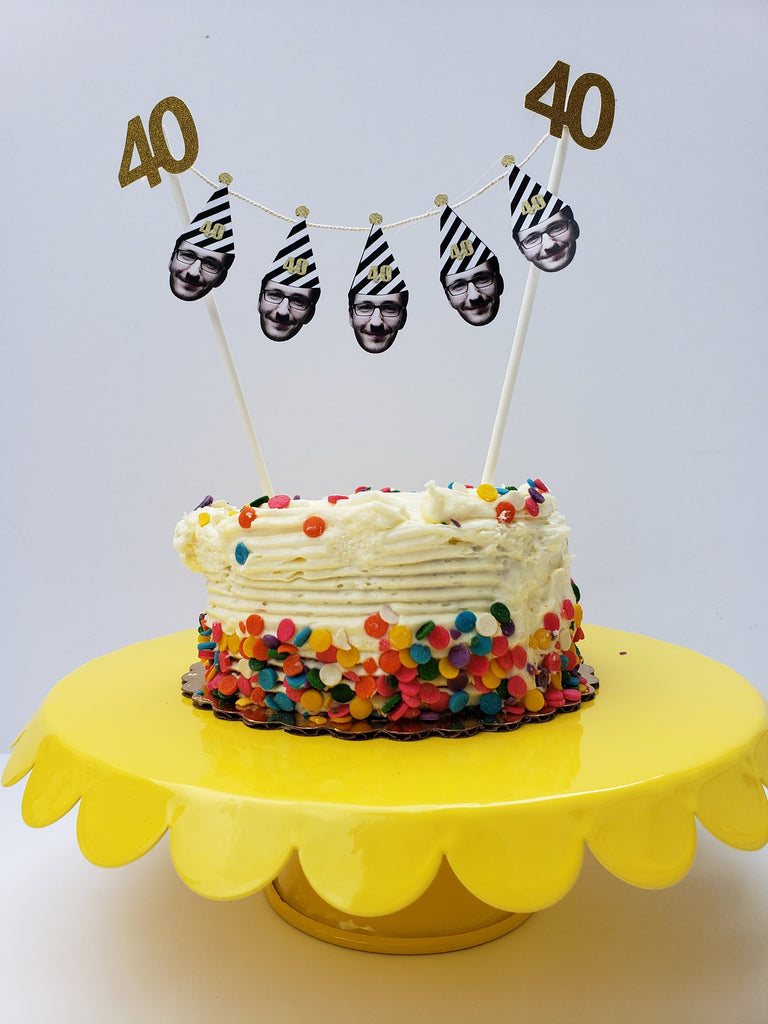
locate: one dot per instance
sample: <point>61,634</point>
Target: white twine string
<point>385,227</point>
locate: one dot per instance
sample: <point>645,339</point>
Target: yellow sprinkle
<point>498,671</point>
<point>233,643</point>
<point>243,702</point>
<point>348,658</point>
<point>319,640</point>
<point>360,707</point>
<point>407,660</point>
<point>491,680</point>
<point>578,614</point>
<point>487,492</point>
<point>542,639</point>
<point>318,719</point>
<point>311,700</point>
<point>534,700</point>
<point>400,637</point>
<point>204,518</point>
<point>447,669</point>
<point>556,680</point>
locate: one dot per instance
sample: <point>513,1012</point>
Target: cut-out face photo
<point>550,245</point>
<point>476,294</point>
<point>376,319</point>
<point>195,270</point>
<point>290,289</point>
<point>283,310</point>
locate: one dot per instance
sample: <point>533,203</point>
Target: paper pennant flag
<point>542,225</point>
<point>469,271</point>
<point>203,255</point>
<point>378,296</point>
<point>291,287</point>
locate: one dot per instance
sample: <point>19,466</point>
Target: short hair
<point>353,292</point>
<point>493,262</point>
<point>314,293</point>
<point>228,257</point>
<point>566,211</point>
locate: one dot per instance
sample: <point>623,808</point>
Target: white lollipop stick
<point>518,342</point>
<point>226,354</point>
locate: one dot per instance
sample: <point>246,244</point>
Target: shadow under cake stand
<point>418,847</point>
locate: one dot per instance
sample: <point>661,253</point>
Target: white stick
<point>226,354</point>
<point>518,342</point>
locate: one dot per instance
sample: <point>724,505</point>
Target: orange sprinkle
<point>375,626</point>
<point>314,526</point>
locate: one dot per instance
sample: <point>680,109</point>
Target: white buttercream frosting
<point>416,556</point>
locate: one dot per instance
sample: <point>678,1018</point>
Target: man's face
<point>475,294</point>
<point>283,311</point>
<point>194,271</point>
<point>550,245</point>
<point>376,319</point>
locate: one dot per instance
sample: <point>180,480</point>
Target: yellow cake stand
<point>404,847</point>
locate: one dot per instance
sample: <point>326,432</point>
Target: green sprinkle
<point>313,678</point>
<point>393,701</point>
<point>500,612</point>
<point>423,631</point>
<point>342,693</point>
<point>259,501</point>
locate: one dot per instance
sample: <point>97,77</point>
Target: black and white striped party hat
<point>460,248</point>
<point>529,203</point>
<point>212,227</point>
<point>294,264</point>
<point>377,272</point>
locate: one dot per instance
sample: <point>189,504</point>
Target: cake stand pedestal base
<point>446,917</point>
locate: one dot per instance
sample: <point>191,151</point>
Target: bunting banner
<point>542,226</point>
<point>291,287</point>
<point>378,296</point>
<point>469,271</point>
<point>202,256</point>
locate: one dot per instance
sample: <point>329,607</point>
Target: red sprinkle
<point>285,630</point>
<point>333,498</point>
<point>505,512</point>
<point>532,507</point>
<point>314,526</point>
<point>439,638</point>
<point>551,621</point>
<point>519,656</point>
<point>517,686</point>
<point>567,609</point>
<point>541,486</point>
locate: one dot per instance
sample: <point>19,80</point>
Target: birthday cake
<point>387,613</point>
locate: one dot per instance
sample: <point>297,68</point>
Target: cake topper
<point>153,157</point>
<point>202,256</point>
<point>378,296</point>
<point>469,270</point>
<point>291,288</point>
<point>542,226</point>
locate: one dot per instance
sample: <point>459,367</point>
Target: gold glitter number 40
<point>567,110</point>
<point>153,152</point>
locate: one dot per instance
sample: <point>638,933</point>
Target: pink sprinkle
<point>279,501</point>
<point>285,630</point>
<point>333,498</point>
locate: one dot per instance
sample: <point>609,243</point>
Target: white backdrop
<point>641,395</point>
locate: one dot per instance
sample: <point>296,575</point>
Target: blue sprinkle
<point>490,703</point>
<point>208,646</point>
<point>302,636</point>
<point>481,645</point>
<point>465,621</point>
<point>267,678</point>
<point>241,553</point>
<point>420,653</point>
<point>279,702</point>
<point>531,483</point>
<point>458,701</point>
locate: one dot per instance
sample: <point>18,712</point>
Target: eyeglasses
<point>207,264</point>
<point>389,310</point>
<point>298,303</point>
<point>534,241</point>
<point>481,280</point>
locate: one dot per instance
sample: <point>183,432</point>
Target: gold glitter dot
<point>508,160</point>
<point>302,211</point>
<point>225,179</point>
<point>441,199</point>
<point>375,218</point>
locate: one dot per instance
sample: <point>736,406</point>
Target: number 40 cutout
<point>153,157</point>
<point>566,110</point>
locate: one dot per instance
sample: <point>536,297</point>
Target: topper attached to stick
<point>542,225</point>
<point>378,296</point>
<point>469,270</point>
<point>291,287</point>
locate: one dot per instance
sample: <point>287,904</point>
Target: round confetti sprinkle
<point>465,621</point>
<point>567,609</point>
<point>341,693</point>
<point>533,508</point>
<point>534,700</point>
<point>500,612</point>
<point>490,703</point>
<point>389,662</point>
<point>282,701</point>
<point>552,622</point>
<point>314,526</point>
<point>267,678</point>
<point>254,624</point>
<point>302,636</point>
<point>458,701</point>
<point>486,624</point>
<point>311,700</point>
<point>204,518</point>
<point>331,675</point>
<point>420,653</point>
<point>459,682</point>
<point>505,512</point>
<point>360,708</point>
<point>246,517</point>
<point>439,638</point>
<point>241,553</point>
<point>279,501</point>
<point>538,498</point>
<point>391,617</point>
<point>487,492</point>
<point>375,626</point>
<point>481,645</point>
<point>285,630</point>
<point>459,655</point>
<point>508,628</point>
<point>400,637</point>
<point>319,640</point>
<point>519,656</point>
<point>517,687</point>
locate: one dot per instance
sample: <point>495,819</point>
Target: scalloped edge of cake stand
<point>444,919</point>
